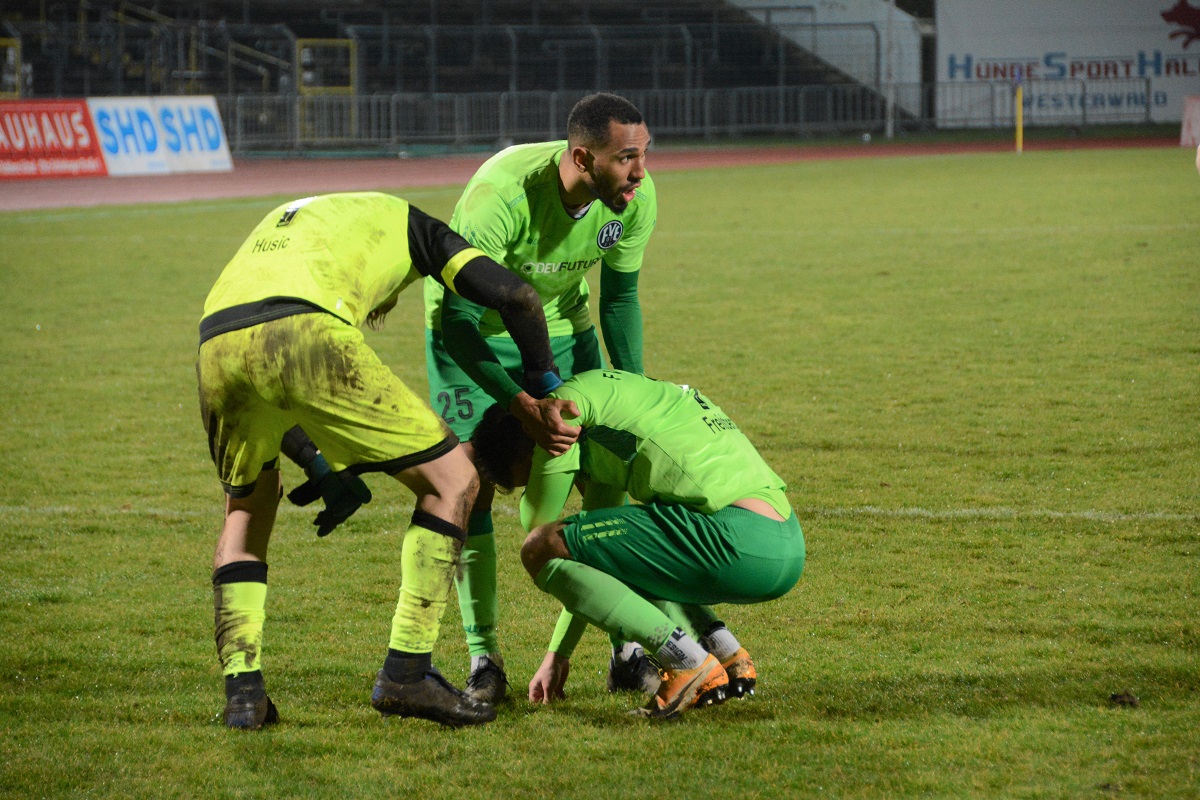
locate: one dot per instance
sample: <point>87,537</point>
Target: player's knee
<point>469,486</point>
<point>456,479</point>
<point>544,543</point>
<point>459,495</point>
<point>531,553</point>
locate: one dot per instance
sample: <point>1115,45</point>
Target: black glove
<point>343,492</point>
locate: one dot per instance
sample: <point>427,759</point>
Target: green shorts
<point>667,551</point>
<point>315,371</point>
<point>461,402</point>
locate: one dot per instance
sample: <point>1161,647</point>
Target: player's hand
<point>343,493</point>
<point>543,421</point>
<point>547,683</point>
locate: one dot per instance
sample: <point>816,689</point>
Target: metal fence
<point>457,58</point>
<point>402,121</point>
<point>123,55</point>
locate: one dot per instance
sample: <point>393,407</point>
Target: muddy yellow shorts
<point>315,371</point>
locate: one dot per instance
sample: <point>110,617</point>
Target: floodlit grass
<point>978,374</point>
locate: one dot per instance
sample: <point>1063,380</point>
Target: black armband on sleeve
<point>431,243</point>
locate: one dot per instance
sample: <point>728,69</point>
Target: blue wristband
<point>541,385</point>
<point>318,468</point>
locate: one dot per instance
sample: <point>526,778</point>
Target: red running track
<point>300,177</point>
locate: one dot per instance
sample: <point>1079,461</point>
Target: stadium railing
<point>397,122</point>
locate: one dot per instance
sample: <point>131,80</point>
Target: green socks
<point>477,597</point>
<point>612,606</point>
<point>605,602</point>
<point>694,619</point>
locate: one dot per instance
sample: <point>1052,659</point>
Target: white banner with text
<point>1078,61</point>
<point>160,135</point>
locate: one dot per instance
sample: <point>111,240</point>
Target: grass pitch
<point>978,375</point>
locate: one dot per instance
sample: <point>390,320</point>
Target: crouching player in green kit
<point>282,355</point>
<point>712,525</point>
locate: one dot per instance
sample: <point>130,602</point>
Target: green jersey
<point>512,211</point>
<point>656,440</point>
<point>345,253</point>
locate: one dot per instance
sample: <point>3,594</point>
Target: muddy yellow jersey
<point>343,253</point>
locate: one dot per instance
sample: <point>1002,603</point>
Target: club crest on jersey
<point>610,234</point>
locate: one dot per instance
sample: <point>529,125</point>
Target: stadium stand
<point>230,47</point>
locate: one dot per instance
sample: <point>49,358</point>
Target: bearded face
<point>614,191</point>
<point>617,167</point>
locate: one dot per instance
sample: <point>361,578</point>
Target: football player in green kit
<point>281,350</point>
<point>712,524</point>
<point>549,212</point>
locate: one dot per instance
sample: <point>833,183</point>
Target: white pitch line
<point>215,512</point>
<point>1017,230</point>
<point>993,513</point>
<point>1000,513</point>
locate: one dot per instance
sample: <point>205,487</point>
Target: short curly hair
<point>587,124</point>
<point>498,441</point>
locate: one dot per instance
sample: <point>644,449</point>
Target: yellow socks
<point>239,603</point>
<point>428,560</point>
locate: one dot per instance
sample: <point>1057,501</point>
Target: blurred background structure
<point>402,75</point>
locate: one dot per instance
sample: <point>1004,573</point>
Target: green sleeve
<point>567,633</point>
<point>621,318</point>
<point>551,478</point>
<point>464,343</point>
<point>549,487</point>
